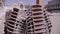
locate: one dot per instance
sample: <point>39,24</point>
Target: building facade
<point>53,8</point>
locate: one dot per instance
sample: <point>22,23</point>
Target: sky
<point>9,2</point>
